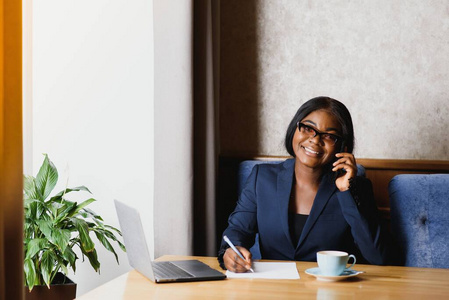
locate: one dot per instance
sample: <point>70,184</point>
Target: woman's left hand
<point>346,162</point>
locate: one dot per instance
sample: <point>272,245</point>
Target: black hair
<point>333,106</point>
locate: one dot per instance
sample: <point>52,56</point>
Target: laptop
<point>157,271</point>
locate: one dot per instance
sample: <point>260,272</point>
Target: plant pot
<point>61,288</point>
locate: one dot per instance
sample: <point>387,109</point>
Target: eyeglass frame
<point>320,133</point>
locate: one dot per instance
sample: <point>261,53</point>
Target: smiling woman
<point>315,146</point>
<point>11,213</point>
<point>316,197</point>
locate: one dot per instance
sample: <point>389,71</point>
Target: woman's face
<point>316,152</point>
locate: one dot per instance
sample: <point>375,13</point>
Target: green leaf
<point>70,256</point>
<point>46,178</point>
<point>64,269</point>
<point>31,277</point>
<point>113,228</point>
<point>93,259</point>
<point>29,188</point>
<point>59,195</point>
<point>83,230</point>
<point>63,211</point>
<point>121,246</point>
<point>81,206</point>
<point>30,209</point>
<point>28,184</point>
<point>61,238</point>
<point>61,265</point>
<point>92,214</point>
<point>35,210</point>
<point>104,241</point>
<point>111,236</point>
<point>48,262</point>
<point>46,227</point>
<point>53,207</point>
<point>30,201</point>
<point>35,246</point>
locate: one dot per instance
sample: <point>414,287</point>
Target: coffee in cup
<point>333,263</point>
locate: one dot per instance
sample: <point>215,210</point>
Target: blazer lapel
<point>284,187</point>
<point>325,191</point>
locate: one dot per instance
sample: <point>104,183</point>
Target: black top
<point>296,224</point>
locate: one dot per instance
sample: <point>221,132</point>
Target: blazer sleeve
<point>360,212</point>
<point>242,223</point>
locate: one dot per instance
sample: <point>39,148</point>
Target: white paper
<point>269,270</point>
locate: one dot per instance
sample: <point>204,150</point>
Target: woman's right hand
<point>234,263</point>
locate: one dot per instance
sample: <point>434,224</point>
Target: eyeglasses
<point>328,138</point>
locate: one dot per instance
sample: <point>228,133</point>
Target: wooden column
<point>11,199</point>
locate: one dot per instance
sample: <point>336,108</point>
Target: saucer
<point>346,274</point>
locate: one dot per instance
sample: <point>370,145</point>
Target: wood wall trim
<point>405,164</point>
<point>249,156</point>
<point>428,166</point>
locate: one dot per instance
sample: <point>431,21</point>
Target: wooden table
<point>379,282</point>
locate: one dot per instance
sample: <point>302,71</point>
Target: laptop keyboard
<point>165,269</point>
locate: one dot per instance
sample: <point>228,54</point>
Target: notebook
<point>157,271</point>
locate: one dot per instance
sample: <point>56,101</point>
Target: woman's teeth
<point>311,151</point>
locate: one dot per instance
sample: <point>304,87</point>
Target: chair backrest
<point>420,218</point>
<point>245,169</point>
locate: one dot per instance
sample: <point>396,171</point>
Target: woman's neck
<point>306,176</point>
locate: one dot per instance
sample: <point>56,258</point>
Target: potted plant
<point>53,228</point>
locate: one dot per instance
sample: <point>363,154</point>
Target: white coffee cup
<point>333,263</point>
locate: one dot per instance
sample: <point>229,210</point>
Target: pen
<point>227,240</point>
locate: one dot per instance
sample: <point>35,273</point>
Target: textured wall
<point>388,61</point>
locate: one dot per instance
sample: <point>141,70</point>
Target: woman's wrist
<point>221,253</point>
<point>353,189</point>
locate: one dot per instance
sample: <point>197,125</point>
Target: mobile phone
<point>340,172</point>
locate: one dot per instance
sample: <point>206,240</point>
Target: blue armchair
<point>245,169</point>
<point>420,218</point>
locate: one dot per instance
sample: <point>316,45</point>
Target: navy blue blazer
<point>337,220</point>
